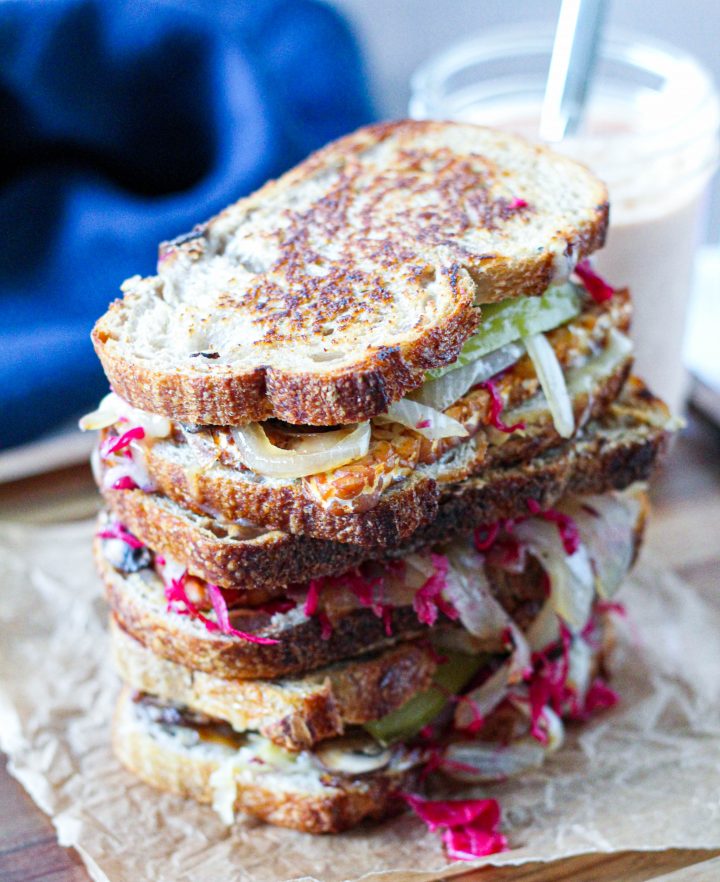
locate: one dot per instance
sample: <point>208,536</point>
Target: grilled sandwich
<point>373,465</point>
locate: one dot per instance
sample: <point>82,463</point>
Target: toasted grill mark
<point>396,451</point>
<point>381,242</point>
<point>339,259</point>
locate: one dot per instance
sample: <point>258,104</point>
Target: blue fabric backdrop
<point>123,123</point>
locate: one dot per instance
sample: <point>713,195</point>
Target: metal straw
<point>571,67</point>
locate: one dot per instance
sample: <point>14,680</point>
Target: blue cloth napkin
<point>124,123</point>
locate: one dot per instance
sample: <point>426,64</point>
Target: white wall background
<point>398,35</point>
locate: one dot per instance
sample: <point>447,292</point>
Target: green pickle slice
<point>421,709</point>
<point>517,317</point>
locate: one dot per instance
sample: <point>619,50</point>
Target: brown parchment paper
<point>645,775</point>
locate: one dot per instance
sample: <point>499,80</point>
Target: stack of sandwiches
<point>372,467</point>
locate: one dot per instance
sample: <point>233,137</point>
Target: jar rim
<point>647,54</point>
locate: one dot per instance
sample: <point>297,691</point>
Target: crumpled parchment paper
<point>645,775</point>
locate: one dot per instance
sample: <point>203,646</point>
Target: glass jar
<point>650,132</point>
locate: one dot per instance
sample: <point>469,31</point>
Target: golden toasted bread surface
<point>294,713</point>
<point>613,452</point>
<point>323,297</point>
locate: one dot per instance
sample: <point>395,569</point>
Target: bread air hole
<point>253,264</point>
<point>216,530</point>
<point>428,278</point>
<point>428,305</point>
<point>328,355</point>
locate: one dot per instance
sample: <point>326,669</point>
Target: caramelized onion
<point>432,424</point>
<point>552,381</point>
<point>113,408</point>
<point>450,387</point>
<point>309,455</point>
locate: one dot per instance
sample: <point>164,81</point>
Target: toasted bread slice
<point>340,781</point>
<point>359,612</point>
<point>294,713</point>
<point>282,504</point>
<point>387,492</point>
<point>298,794</point>
<point>611,453</point>
<point>324,297</point>
<point>303,642</point>
<point>139,605</point>
<point>233,495</point>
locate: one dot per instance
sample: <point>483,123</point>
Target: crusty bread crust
<point>399,511</point>
<point>293,713</point>
<point>612,453</point>
<point>339,805</point>
<point>206,547</point>
<point>140,608</point>
<point>372,254</point>
<point>138,603</point>
<point>359,392</point>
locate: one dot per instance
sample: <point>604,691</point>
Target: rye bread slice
<point>138,602</point>
<point>294,713</point>
<point>323,297</point>
<point>232,494</point>
<point>612,453</point>
<point>139,605</point>
<point>316,802</point>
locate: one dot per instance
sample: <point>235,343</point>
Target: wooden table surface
<point>684,533</point>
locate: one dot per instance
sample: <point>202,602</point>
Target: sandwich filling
<point>480,721</point>
<point>533,367</point>
<point>487,583</point>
